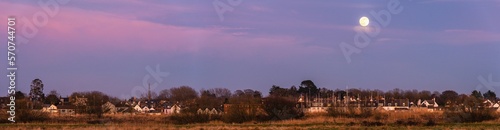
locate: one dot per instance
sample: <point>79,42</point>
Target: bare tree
<point>424,95</point>
<point>213,98</point>
<point>36,93</point>
<point>221,92</point>
<point>183,94</point>
<point>247,96</point>
<point>164,94</point>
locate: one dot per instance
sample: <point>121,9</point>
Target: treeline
<point>447,97</point>
<point>243,105</point>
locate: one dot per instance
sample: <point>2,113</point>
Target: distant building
<point>66,109</point>
<point>50,108</point>
<point>109,108</point>
<point>430,103</point>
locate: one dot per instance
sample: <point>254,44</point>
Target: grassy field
<point>316,122</point>
<point>208,126</point>
<point>378,120</point>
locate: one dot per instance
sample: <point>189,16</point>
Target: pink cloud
<point>76,30</point>
<point>469,36</point>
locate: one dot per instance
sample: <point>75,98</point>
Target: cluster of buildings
<point>321,105</point>
<point>153,107</point>
<point>70,106</point>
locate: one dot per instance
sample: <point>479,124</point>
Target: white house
<point>208,111</point>
<point>138,108</point>
<point>174,109</point>
<point>66,109</point>
<point>50,108</point>
<point>145,109</point>
<point>317,109</point>
<point>496,105</point>
<point>213,111</point>
<point>109,107</point>
<point>429,103</point>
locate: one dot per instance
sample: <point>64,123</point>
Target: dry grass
<point>318,121</point>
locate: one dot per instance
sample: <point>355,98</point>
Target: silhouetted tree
<point>278,91</point>
<point>424,95</point>
<point>490,95</point>
<point>20,95</point>
<point>279,108</point>
<point>36,94</point>
<point>243,106</point>
<point>340,94</point>
<point>448,97</point>
<point>221,92</point>
<point>325,93</point>
<point>183,94</point>
<point>212,98</point>
<point>248,96</point>
<point>294,91</point>
<point>93,103</point>
<point>461,98</point>
<point>52,98</point>
<point>411,95</point>
<point>396,93</point>
<point>308,87</point>
<point>477,94</point>
<point>164,94</point>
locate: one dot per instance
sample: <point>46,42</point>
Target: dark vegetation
<point>249,105</point>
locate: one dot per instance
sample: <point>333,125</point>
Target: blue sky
<point>98,45</point>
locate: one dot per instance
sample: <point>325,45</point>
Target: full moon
<point>364,21</point>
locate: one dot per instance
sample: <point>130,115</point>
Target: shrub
<point>380,115</point>
<point>237,115</point>
<point>370,123</point>
<point>278,108</point>
<point>189,118</point>
<point>4,117</point>
<point>407,122</point>
<point>430,123</point>
<point>350,112</point>
<point>470,116</point>
<point>26,115</point>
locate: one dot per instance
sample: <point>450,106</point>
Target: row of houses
<point>319,105</point>
<point>155,107</point>
<point>316,105</point>
<point>65,107</point>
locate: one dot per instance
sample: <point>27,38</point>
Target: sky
<point>115,46</point>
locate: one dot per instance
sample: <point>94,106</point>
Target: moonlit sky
<point>105,45</point>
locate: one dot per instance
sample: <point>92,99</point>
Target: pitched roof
<point>66,107</point>
<point>430,101</point>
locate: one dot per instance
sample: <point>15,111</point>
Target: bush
<point>278,108</point>
<point>4,117</point>
<point>470,116</point>
<point>189,118</point>
<point>408,122</point>
<point>26,115</point>
<point>237,115</point>
<point>374,123</point>
<point>380,115</point>
<point>430,123</point>
<point>350,112</point>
